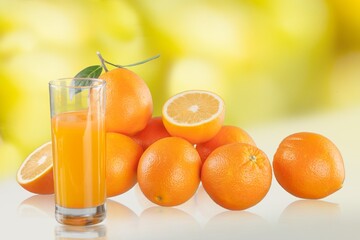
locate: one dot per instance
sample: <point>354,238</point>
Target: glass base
<point>80,216</point>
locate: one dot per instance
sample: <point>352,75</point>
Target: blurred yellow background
<point>268,59</point>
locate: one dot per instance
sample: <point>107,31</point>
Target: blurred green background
<point>268,59</point>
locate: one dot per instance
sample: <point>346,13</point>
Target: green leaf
<point>88,72</point>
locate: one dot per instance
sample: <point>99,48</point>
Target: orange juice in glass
<point>78,144</point>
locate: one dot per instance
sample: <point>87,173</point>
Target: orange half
<point>36,172</point>
<point>195,115</point>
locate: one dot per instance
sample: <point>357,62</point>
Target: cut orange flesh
<point>35,173</point>
<point>195,115</point>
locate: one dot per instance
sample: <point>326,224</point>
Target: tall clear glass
<point>78,144</point>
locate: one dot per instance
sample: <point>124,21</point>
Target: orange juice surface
<point>79,160</point>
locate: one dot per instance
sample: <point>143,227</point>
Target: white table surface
<point>279,216</point>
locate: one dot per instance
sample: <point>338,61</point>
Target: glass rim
<point>69,82</point>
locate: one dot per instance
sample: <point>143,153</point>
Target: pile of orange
<point>169,156</point>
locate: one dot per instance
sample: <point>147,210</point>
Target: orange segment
<point>195,115</point>
<point>35,173</point>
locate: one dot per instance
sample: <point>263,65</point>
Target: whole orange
<point>309,165</point>
<point>129,103</point>
<point>237,175</point>
<point>227,134</point>
<point>169,171</point>
<point>122,157</point>
<point>153,131</point>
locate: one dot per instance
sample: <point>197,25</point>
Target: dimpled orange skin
<point>129,102</point>
<point>122,157</point>
<point>308,165</point>
<point>169,171</point>
<point>153,131</point>
<point>227,134</point>
<point>237,175</point>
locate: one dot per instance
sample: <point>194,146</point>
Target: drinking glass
<point>78,143</point>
